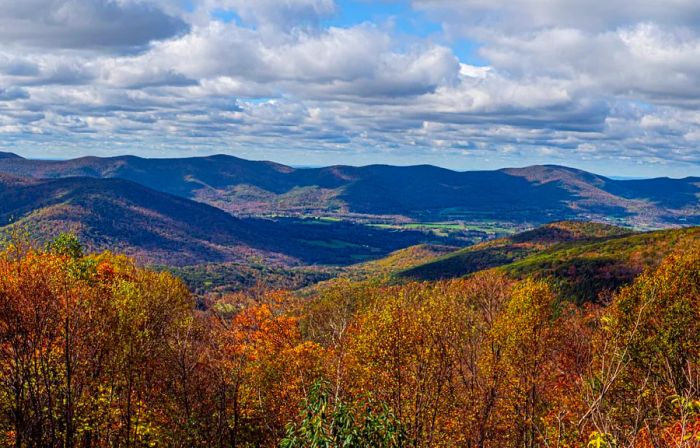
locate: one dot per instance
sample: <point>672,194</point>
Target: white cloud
<point>467,16</point>
<point>114,24</point>
<point>356,62</point>
<point>642,61</point>
<point>566,81</point>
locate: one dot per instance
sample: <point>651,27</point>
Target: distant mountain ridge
<point>161,228</point>
<point>534,195</point>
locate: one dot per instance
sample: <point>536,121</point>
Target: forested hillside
<point>584,260</point>
<point>507,250</point>
<point>95,351</point>
<point>381,193</point>
<point>160,228</point>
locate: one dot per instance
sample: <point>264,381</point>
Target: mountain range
<point>224,209</point>
<point>161,228</point>
<point>536,195</point>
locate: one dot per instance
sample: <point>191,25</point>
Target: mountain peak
<point>549,173</point>
<point>9,155</point>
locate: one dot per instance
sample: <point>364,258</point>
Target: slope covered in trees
<point>585,260</point>
<point>95,351</point>
<point>118,214</point>
<point>532,195</point>
<point>165,229</point>
<point>506,250</point>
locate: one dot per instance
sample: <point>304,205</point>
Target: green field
<point>491,228</point>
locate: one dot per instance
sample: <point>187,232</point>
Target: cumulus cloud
<point>468,16</point>
<point>13,94</point>
<point>604,47</point>
<point>113,24</point>
<point>564,81</point>
<point>359,61</point>
<point>644,60</point>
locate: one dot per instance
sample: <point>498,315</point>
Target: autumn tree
<point>81,339</point>
<point>644,380</point>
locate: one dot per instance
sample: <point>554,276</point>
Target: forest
<point>97,351</point>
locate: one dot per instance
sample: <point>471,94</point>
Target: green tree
<point>66,244</point>
<point>328,425</point>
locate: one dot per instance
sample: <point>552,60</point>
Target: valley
<point>393,195</point>
<point>221,290</point>
<point>228,224</point>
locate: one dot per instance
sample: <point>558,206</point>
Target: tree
<point>82,340</point>
<point>647,358</point>
<point>66,244</point>
<point>335,424</point>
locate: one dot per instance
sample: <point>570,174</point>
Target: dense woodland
<point>97,351</point>
<point>373,193</point>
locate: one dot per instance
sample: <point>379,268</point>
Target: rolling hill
<point>591,270</point>
<point>584,259</point>
<point>532,195</point>
<point>507,250</point>
<point>165,229</point>
<point>122,215</point>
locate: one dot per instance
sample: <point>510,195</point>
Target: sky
<point>610,86</point>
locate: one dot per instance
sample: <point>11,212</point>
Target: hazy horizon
<point>299,166</point>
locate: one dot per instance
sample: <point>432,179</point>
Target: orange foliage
<point>95,351</point>
<point>679,434</point>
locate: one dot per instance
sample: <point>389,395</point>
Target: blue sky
<point>465,84</point>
